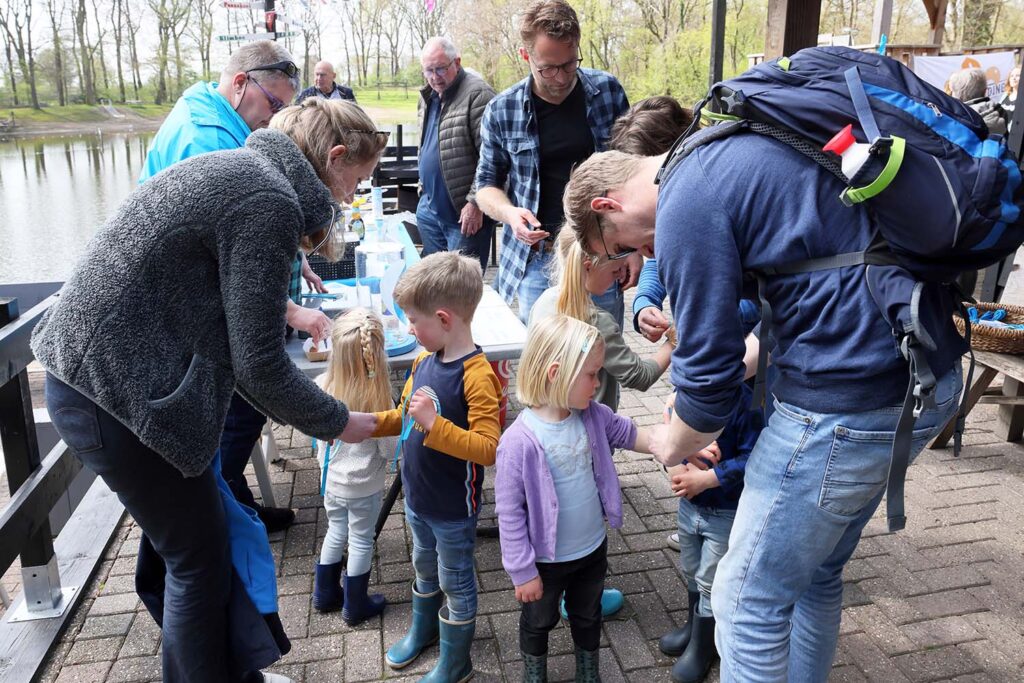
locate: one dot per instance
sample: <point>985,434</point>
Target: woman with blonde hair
<point>578,275</point>
<point>1009,99</point>
<point>352,480</point>
<point>141,367</point>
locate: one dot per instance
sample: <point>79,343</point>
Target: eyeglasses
<point>287,68</point>
<point>438,70</point>
<point>569,68</point>
<point>276,105</point>
<point>625,253</point>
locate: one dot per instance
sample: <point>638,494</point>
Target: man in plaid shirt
<point>531,137</point>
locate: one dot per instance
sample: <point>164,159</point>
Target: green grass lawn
<point>80,113</point>
<point>394,105</point>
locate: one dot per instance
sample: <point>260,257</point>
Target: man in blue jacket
<point>820,467</point>
<point>259,80</point>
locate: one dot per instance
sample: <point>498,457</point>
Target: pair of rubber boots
<point>430,622</point>
<point>355,604</point>
<point>693,643</point>
<point>535,668</point>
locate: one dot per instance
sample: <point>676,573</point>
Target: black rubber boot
<point>327,593</point>
<point>674,642</point>
<point>587,669</point>
<point>693,666</point>
<point>535,668</point>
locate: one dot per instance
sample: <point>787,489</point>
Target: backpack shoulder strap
<point>686,144</point>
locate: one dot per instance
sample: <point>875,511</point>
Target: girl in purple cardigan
<point>556,484</point>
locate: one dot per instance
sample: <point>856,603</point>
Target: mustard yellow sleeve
<point>389,422</point>
<point>479,443</point>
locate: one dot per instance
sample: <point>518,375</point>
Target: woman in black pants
<point>179,302</point>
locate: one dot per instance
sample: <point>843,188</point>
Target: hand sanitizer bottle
<point>853,154</point>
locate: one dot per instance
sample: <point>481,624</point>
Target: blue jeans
<point>442,555</point>
<point>184,520</point>
<point>350,521</point>
<point>812,483</point>
<point>703,540</point>
<point>242,429</point>
<point>539,269</point>
<point>440,235</point>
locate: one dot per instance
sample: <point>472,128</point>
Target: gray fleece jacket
<point>180,299</point>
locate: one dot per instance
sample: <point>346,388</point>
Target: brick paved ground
<point>941,601</point>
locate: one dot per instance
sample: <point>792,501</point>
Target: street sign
<point>237,37</point>
<point>244,4</point>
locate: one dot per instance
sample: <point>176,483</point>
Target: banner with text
<point>937,70</point>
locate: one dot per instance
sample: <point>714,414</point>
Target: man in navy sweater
<point>820,467</point>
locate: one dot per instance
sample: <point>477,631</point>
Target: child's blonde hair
<point>573,298</point>
<point>446,279</point>
<point>358,373</point>
<point>555,339</point>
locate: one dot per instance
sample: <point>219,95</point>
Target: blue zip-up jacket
<point>747,202</point>
<point>650,292</point>
<point>735,442</point>
<point>201,121</point>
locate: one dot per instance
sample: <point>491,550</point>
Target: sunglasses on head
<point>287,68</point>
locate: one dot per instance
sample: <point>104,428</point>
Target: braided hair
<point>358,368</point>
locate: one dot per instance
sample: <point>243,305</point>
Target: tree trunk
<point>132,51</point>
<point>88,85</point>
<point>10,72</point>
<point>58,51</point>
<point>117,19</point>
<point>31,57</point>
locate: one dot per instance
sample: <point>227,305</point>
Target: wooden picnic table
<point>1011,401</point>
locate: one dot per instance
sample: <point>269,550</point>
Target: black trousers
<point>582,581</point>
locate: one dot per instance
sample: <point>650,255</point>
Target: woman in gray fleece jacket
<point>179,301</point>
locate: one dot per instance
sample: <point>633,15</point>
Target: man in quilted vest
<point>450,108</point>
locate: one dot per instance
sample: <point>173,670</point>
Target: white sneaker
<point>673,541</point>
<point>275,678</point>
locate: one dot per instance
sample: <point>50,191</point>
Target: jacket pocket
<point>858,468</point>
<point>182,386</point>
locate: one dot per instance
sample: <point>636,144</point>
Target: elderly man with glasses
<point>257,82</point>
<point>450,109</point>
<point>533,134</point>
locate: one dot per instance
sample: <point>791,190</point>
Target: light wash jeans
<point>812,483</point>
<point>703,540</point>
<point>350,521</point>
<point>536,280</point>
<point>442,555</point>
<point>440,235</point>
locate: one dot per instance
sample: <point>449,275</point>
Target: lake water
<point>54,194</point>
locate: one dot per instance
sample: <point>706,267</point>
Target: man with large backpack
<point>848,331</point>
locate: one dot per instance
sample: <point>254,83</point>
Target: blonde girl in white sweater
<point>352,475</point>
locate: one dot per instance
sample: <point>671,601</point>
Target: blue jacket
<point>749,202</point>
<point>201,121</point>
<point>735,442</point>
<point>650,292</point>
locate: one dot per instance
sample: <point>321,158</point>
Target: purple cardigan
<point>524,491</point>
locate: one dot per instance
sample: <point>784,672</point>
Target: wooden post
<point>882,22</point>
<point>937,20</point>
<point>792,25</point>
<point>717,42</point>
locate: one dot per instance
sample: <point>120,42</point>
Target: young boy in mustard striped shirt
<point>451,403</point>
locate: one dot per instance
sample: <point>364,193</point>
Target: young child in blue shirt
<point>707,507</point>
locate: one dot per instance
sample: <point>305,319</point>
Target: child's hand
<point>531,591</point>
<point>422,410</point>
<point>693,481</point>
<point>710,454</point>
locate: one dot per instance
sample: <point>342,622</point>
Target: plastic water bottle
<point>853,154</point>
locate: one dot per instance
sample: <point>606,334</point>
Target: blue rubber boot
<point>454,664</point>
<point>611,602</point>
<point>423,631</point>
<point>327,592</point>
<point>358,605</point>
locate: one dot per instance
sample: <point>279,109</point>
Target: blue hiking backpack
<point>944,195</point>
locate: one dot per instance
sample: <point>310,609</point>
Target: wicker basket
<point>986,338</point>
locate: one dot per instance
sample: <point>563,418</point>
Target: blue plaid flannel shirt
<point>509,155</point>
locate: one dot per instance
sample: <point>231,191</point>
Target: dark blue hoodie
<point>749,202</point>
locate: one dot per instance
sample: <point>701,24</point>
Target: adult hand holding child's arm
<point>531,591</point>
<point>360,427</point>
